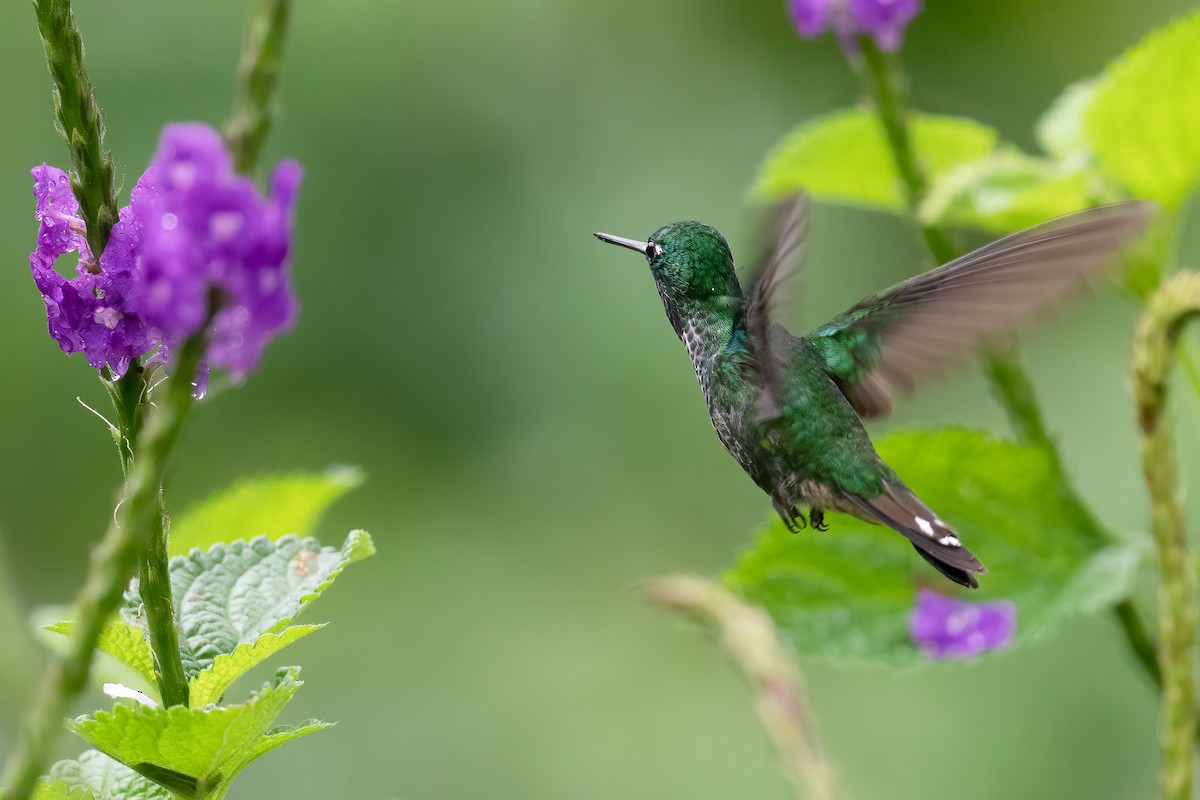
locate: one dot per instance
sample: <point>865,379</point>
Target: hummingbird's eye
<point>653,251</point>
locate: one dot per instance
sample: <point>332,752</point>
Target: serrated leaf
<point>844,158</point>
<point>106,778</point>
<point>211,683</point>
<point>1005,192</point>
<point>270,505</point>
<point>233,594</point>
<point>57,790</point>
<point>282,734</point>
<point>121,640</point>
<point>846,595</point>
<point>192,752</point>
<point>1143,121</point>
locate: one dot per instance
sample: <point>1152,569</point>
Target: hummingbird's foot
<point>793,518</point>
<point>817,516</point>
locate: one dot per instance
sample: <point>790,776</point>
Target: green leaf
<point>1143,122</point>
<point>57,790</point>
<point>271,506</point>
<point>192,752</point>
<point>1005,192</point>
<point>282,734</point>
<point>234,593</point>
<point>844,158</point>
<point>211,683</point>
<point>846,595</point>
<point>106,779</point>
<point>1060,129</point>
<point>121,640</point>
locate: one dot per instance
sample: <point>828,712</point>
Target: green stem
<point>1175,302</point>
<point>79,121</point>
<point>130,396</point>
<point>112,563</point>
<point>885,83</point>
<point>262,55</point>
<point>749,638</point>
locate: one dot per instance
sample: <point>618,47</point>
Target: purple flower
<point>90,312</point>
<point>194,234</point>
<point>883,20</point>
<point>944,628</point>
<point>207,233</point>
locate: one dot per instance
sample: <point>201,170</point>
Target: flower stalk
<point>112,562</point>
<point>262,55</point>
<point>750,639</point>
<point>1176,302</point>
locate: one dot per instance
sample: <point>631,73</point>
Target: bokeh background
<point>534,439</point>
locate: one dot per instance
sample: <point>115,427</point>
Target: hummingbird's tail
<point>937,542</point>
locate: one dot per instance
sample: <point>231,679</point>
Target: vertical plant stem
<point>262,55</point>
<point>79,121</point>
<point>130,396</point>
<point>749,638</point>
<point>112,563</point>
<point>1175,302</point>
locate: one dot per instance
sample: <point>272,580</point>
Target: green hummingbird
<point>790,409</point>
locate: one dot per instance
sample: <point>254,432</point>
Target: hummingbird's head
<point>690,262</point>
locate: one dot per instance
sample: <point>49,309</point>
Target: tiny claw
<point>818,520</point>
<point>792,518</point>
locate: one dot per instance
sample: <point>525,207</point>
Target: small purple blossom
<point>90,312</point>
<point>883,20</point>
<point>206,231</point>
<point>195,232</point>
<point>944,628</point>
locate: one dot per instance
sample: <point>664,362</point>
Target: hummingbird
<point>790,409</point>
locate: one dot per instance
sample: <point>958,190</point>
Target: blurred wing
<point>771,271</point>
<point>892,341</point>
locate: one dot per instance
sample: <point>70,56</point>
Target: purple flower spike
<point>206,230</point>
<point>943,628</point>
<point>883,20</point>
<point>90,312</point>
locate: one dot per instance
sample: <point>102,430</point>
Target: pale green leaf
<point>1005,192</point>
<point>234,593</point>
<point>57,790</point>
<point>844,158</point>
<point>192,752</point>
<point>270,505</point>
<point>121,640</point>
<point>211,683</point>
<point>1060,129</point>
<point>846,595</point>
<point>1143,122</point>
<point>106,778</point>
<point>282,734</point>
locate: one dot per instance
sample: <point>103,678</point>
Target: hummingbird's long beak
<point>632,244</point>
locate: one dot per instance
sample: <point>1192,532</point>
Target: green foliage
<point>1144,119</point>
<point>844,158</point>
<point>1060,130</point>
<point>233,594</point>
<point>104,778</point>
<point>121,640</point>
<point>1005,192</point>
<point>193,752</point>
<point>270,505</point>
<point>846,595</point>
<point>208,686</point>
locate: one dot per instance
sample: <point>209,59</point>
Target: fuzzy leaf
<point>57,790</point>
<point>1060,129</point>
<point>846,595</point>
<point>234,593</point>
<point>1005,192</point>
<point>1143,122</point>
<point>270,505</point>
<point>211,683</point>
<point>121,640</point>
<point>106,779</point>
<point>192,752</point>
<point>844,158</point>
<point>282,734</point>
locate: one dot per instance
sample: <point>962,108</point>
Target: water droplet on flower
<point>240,315</point>
<point>182,174</point>
<point>224,225</point>
<point>169,222</point>
<point>268,279</point>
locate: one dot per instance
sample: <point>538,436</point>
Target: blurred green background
<point>534,439</point>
